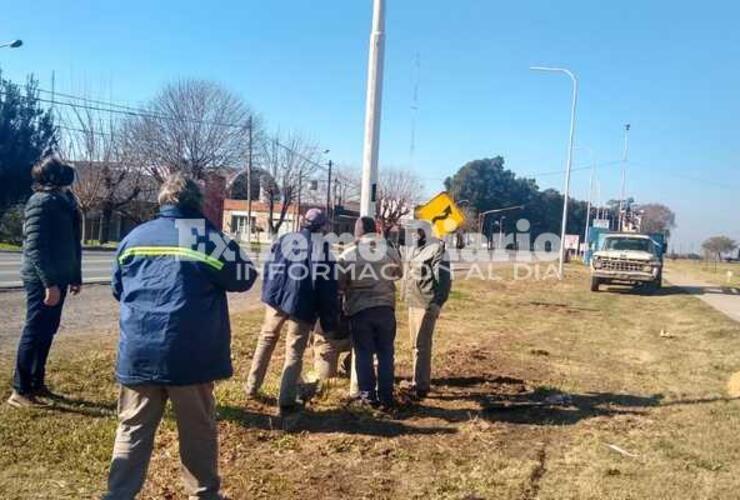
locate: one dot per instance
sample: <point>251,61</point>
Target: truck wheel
<point>595,282</point>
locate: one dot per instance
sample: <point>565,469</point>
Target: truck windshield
<point>636,244</point>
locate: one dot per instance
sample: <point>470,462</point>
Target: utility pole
<point>328,191</point>
<point>373,107</point>
<point>297,222</point>
<point>588,207</point>
<point>622,196</point>
<point>249,183</point>
<point>501,232</point>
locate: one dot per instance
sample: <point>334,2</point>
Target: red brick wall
<point>214,194</point>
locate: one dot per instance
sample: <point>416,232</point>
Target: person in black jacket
<point>299,287</point>
<point>51,267</point>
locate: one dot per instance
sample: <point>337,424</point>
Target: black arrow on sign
<point>444,215</point>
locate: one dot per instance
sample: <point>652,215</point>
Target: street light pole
<point>574,80</point>
<point>482,219</point>
<point>590,193</point>
<point>622,199</point>
<point>372,111</point>
<point>14,44</point>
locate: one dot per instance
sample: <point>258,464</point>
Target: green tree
<point>26,131</point>
<point>487,185</point>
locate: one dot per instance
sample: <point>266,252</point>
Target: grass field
<point>711,272</point>
<point>542,390</point>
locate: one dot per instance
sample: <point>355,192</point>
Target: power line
<point>130,111</point>
<point>91,100</point>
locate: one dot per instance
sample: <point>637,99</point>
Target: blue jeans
<point>373,333</point>
<point>42,323</point>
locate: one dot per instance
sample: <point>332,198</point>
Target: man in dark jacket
<point>51,267</point>
<point>171,277</point>
<point>299,287</point>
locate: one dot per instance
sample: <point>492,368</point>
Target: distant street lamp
<point>12,45</point>
<point>590,193</point>
<point>570,157</point>
<point>482,218</point>
<point>622,193</point>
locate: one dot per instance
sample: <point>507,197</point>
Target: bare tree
<point>104,181</point>
<point>656,218</point>
<point>287,163</point>
<point>346,186</point>
<point>716,246</point>
<point>398,193</point>
<point>194,126</point>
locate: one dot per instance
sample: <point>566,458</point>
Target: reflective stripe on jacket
<point>171,281</point>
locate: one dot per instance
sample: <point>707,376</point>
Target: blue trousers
<point>42,323</point>
<point>373,333</point>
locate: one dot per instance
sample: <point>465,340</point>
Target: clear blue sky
<point>670,68</point>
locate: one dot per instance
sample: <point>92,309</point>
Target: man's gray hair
<point>182,191</point>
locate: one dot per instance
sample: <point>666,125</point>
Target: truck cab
<point>627,258</point>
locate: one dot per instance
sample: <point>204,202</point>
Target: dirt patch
<point>733,385</point>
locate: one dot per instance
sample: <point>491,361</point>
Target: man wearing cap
<point>298,288</point>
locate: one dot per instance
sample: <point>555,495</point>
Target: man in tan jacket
<point>367,274</point>
<point>427,288</point>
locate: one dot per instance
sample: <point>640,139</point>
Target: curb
<point>17,286</point>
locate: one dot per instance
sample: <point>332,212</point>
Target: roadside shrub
<point>11,225</point>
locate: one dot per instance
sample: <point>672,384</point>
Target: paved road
<point>723,298</point>
<point>96,268</point>
<point>91,315</point>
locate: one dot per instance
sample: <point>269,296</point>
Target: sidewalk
<point>725,299</point>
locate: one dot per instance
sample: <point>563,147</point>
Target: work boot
<point>25,401</point>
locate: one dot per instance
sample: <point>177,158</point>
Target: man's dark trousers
<point>373,333</point>
<point>42,323</point>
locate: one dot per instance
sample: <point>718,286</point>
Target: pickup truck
<point>628,258</point>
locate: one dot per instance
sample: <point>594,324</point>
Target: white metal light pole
<point>622,199</point>
<point>590,192</point>
<point>372,111</point>
<point>570,157</point>
<point>14,44</point>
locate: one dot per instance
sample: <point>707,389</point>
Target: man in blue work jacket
<point>299,287</point>
<point>171,277</point>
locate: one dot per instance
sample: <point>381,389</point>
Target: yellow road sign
<point>442,213</point>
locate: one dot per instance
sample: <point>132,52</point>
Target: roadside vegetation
<point>542,390</point>
<point>10,247</point>
<point>713,272</point>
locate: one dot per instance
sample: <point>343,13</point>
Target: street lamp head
<point>15,44</point>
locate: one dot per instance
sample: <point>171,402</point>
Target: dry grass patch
<point>533,382</point>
